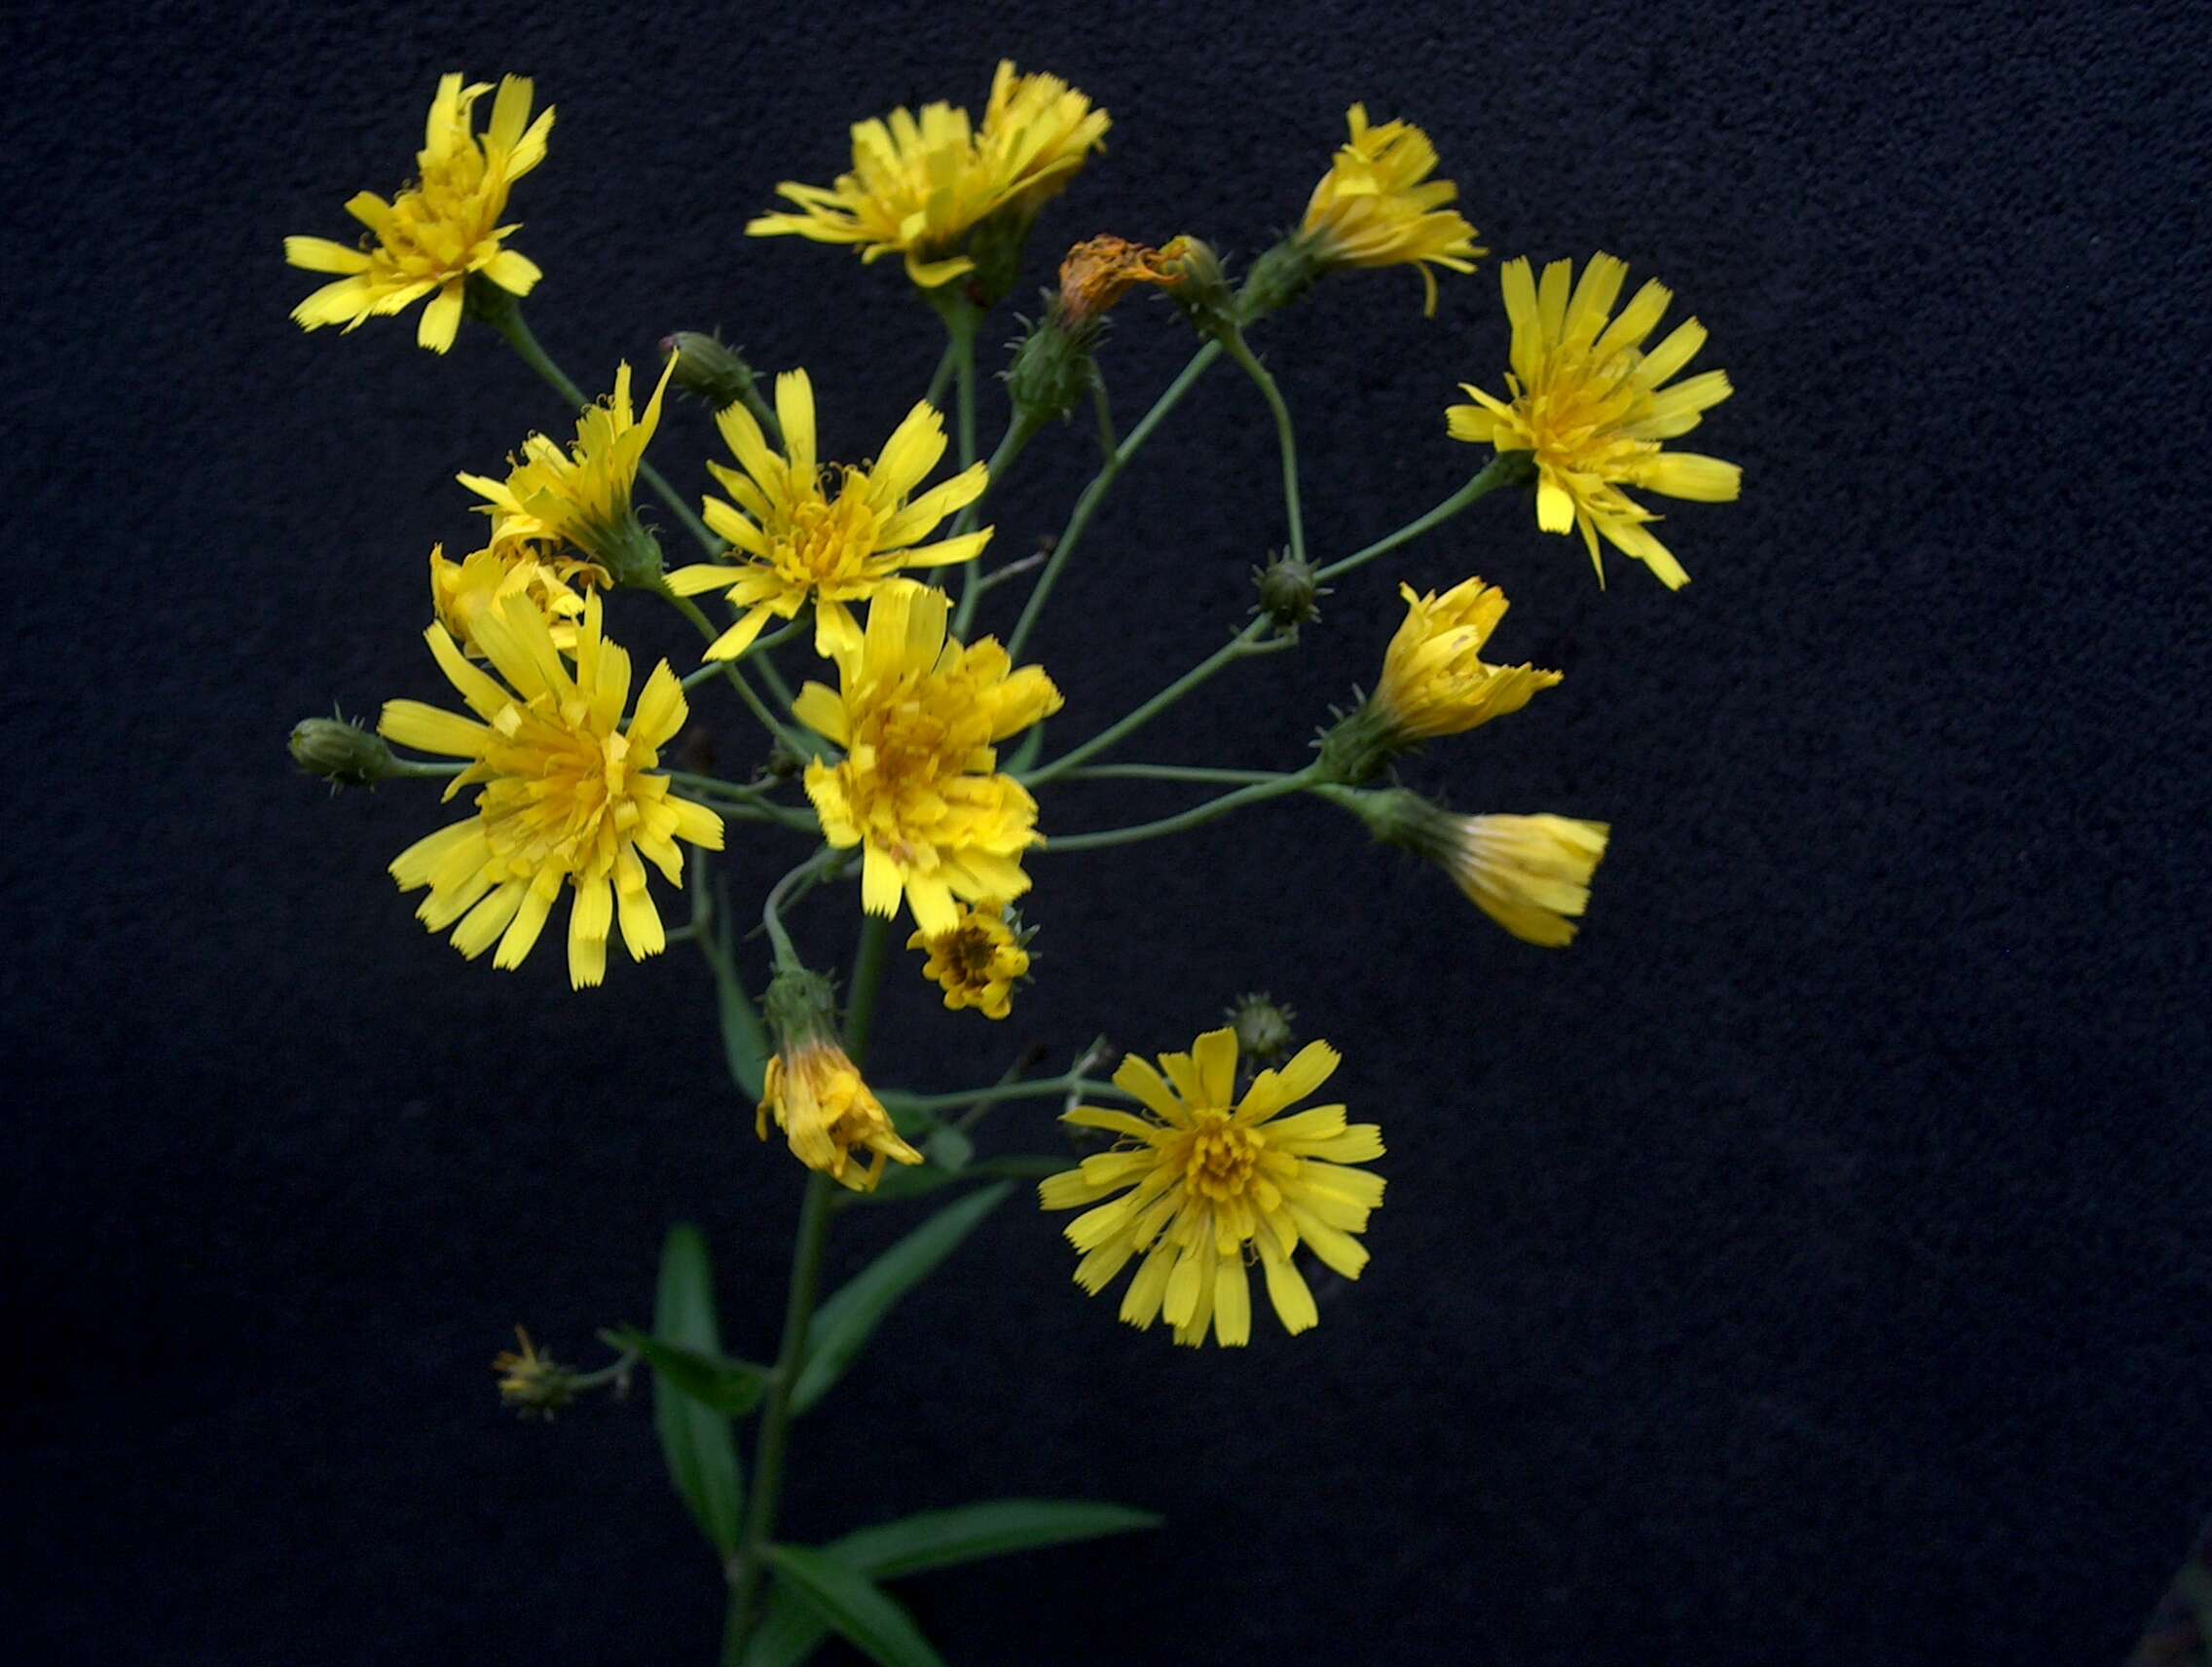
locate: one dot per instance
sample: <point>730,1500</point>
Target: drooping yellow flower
<point>440,228</point>
<point>826,1110</point>
<point>1377,206</point>
<point>917,714</point>
<point>1585,398</point>
<point>1435,679</point>
<point>1208,1177</point>
<point>581,498</point>
<point>797,542</point>
<point>568,794</point>
<point>978,962</point>
<point>1529,874</point>
<point>555,585</point>
<point>921,183</point>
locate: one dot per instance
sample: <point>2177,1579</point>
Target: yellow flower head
<point>440,228</point>
<point>921,184</point>
<point>1372,207</point>
<point>462,591</point>
<point>1586,400</point>
<point>580,496</point>
<point>1208,1178</point>
<point>819,1101</point>
<point>1435,679</point>
<point>796,541</point>
<point>1099,271</point>
<point>568,794</point>
<point>978,962</point>
<point>917,714</point>
<point>1529,874</point>
<point>531,1382</point>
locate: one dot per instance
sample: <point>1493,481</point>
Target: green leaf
<point>845,1322</point>
<point>729,1386</point>
<point>853,1607</point>
<point>989,1528</point>
<point>695,1440</point>
<point>788,1632</point>
<point>744,1043</point>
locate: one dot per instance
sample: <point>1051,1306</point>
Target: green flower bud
<point>1264,1033</point>
<point>1281,276</point>
<point>1198,285</point>
<point>800,1006</point>
<point>1290,591</point>
<point>1051,369</point>
<point>340,752</point>
<point>708,369</point>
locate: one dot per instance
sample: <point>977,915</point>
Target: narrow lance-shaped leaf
<point>729,1386</point>
<point>846,1321</point>
<point>790,1630</point>
<point>853,1607</point>
<point>696,1441</point>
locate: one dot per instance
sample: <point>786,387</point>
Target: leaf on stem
<point>731,1388</point>
<point>853,1606</point>
<point>845,1322</point>
<point>695,1440</point>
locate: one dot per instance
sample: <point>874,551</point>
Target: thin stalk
<point>1246,644</point>
<point>797,741</point>
<point>1044,1087</point>
<point>1507,468</point>
<point>785,892</point>
<point>1168,772</point>
<point>406,768</point>
<point>867,982</point>
<point>1195,817</point>
<point>942,377</point>
<point>1018,433</point>
<point>1285,441</point>
<point>1095,493</point>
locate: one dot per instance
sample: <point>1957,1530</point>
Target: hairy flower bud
<point>339,751</point>
<point>1262,1026</point>
<point>1198,286</point>
<point>709,369</point>
<point>1290,591</point>
<point>1051,372</point>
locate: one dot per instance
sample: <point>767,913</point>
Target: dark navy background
<point>1810,1265</point>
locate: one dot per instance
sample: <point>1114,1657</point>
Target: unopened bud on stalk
<point>1264,1033</point>
<point>340,752</point>
<point>1198,286</point>
<point>1290,591</point>
<point>1278,278</point>
<point>1051,372</point>
<point>708,368</point>
<point>1529,873</point>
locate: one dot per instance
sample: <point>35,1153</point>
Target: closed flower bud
<point>708,369</point>
<point>340,752</point>
<point>1051,371</point>
<point>1264,1033</point>
<point>1289,591</point>
<point>1198,286</point>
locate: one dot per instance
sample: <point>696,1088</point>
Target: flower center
<point>559,801</point>
<point>972,950</point>
<point>1222,1156</point>
<point>825,542</point>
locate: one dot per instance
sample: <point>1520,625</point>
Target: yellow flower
<point>440,228</point>
<point>978,961</point>
<point>921,184</point>
<point>460,591</point>
<point>1586,400</point>
<point>531,1382</point>
<point>917,714</point>
<point>1210,1177</point>
<point>796,541</point>
<point>1434,679</point>
<point>568,797</point>
<point>580,496</point>
<point>1372,209</point>
<point>1529,874</point>
<point>819,1100</point>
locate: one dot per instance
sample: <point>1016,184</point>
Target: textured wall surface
<point>1811,1264</point>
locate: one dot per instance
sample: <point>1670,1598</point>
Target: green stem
<point>1045,1087</point>
<point>1246,644</point>
<point>961,323</point>
<point>942,375</point>
<point>1507,468</point>
<point>798,742</point>
<point>1095,493</point>
<point>867,982</point>
<point>750,1562</point>
<point>1195,817</point>
<point>1018,433</point>
<point>415,768</point>
<point>752,798</point>
<point>1169,772</point>
<point>1233,343</point>
<point>506,319</point>
<point>786,891</point>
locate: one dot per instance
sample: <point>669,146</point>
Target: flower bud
<point>709,369</point>
<point>1290,591</point>
<point>1529,873</point>
<point>1278,278</point>
<point>1198,286</point>
<point>1264,1033</point>
<point>1052,371</point>
<point>340,752</point>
